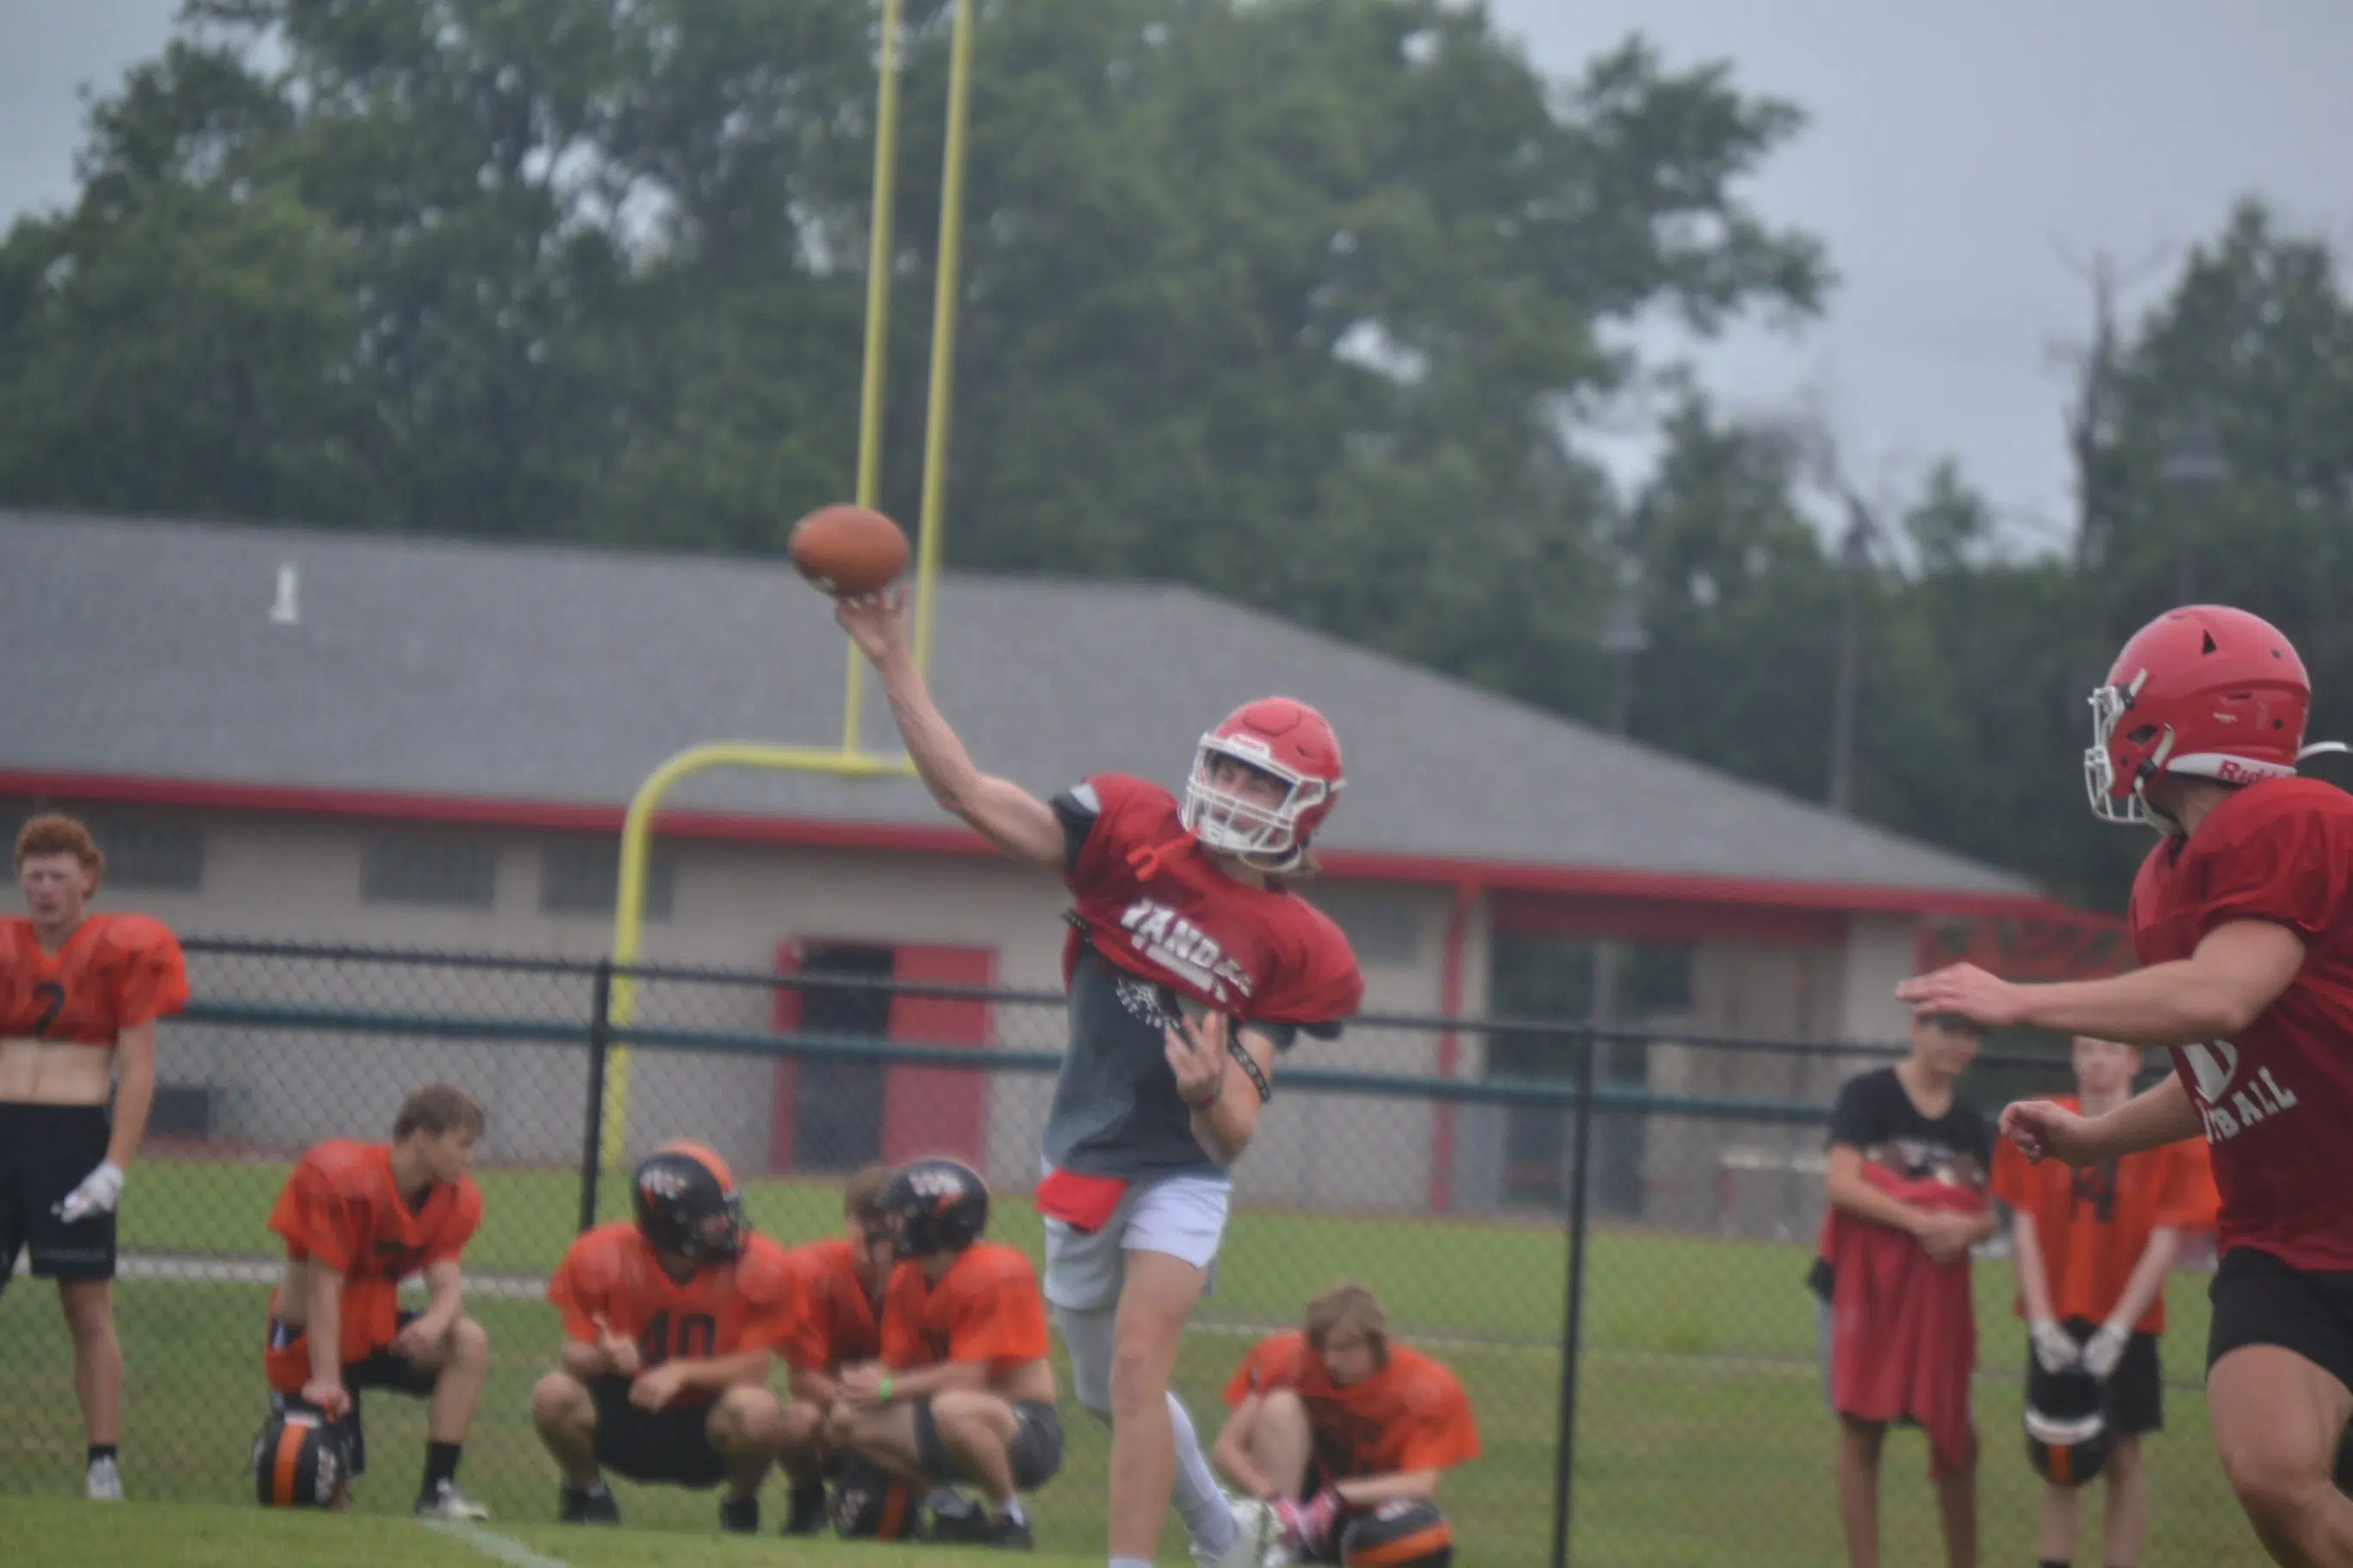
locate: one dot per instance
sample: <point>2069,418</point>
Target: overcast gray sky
<point>1957,148</point>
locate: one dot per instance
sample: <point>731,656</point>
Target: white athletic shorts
<point>1182,1216</point>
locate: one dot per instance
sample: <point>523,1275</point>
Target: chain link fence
<point>1638,1216</point>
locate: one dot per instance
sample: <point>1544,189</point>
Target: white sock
<point>1201,1502</point>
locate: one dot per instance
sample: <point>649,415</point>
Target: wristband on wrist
<point>882,1389</point>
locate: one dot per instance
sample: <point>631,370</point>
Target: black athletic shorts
<point>379,1369</point>
<point>2260,1300</point>
<point>1036,1453</point>
<point>2133,1395</point>
<point>670,1447</point>
<point>45,1152</point>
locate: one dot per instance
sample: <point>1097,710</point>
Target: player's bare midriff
<point>54,1072</point>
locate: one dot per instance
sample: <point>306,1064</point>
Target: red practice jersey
<point>752,1303</point>
<point>1151,903</point>
<point>339,1209</point>
<point>2278,1100</point>
<point>114,973</point>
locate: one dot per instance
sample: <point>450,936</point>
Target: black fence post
<point>592,1134</point>
<point>1573,1331</point>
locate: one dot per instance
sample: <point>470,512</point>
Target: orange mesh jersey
<point>341,1209</point>
<point>114,973</point>
<point>1412,1415</point>
<point>751,1304</point>
<point>986,1308</point>
<point>839,1326</point>
<point>2094,1223</point>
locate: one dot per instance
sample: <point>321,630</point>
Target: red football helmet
<point>2204,691</point>
<point>1288,742</point>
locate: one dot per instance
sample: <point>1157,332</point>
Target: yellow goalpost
<point>848,760</point>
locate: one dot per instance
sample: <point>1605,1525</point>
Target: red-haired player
<point>79,995</point>
<point>2242,916</point>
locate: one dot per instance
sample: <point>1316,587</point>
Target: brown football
<point>848,551</point>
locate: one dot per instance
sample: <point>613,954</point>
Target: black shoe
<point>739,1515</point>
<point>574,1506</point>
<point>1010,1532</point>
<point>956,1516</point>
<point>804,1511</point>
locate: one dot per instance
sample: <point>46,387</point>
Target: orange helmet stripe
<point>1405,1548</point>
<point>288,1464</point>
<point>705,1158</point>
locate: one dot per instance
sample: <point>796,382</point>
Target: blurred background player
<point>1330,1421</point>
<point>357,1219</point>
<point>2243,918</point>
<point>1189,967</point>
<point>79,995</point>
<point>2092,1248</point>
<point>841,1282</point>
<point>670,1324</point>
<point>1905,1181</point>
<point>963,1391</point>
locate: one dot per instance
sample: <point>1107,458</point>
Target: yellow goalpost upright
<point>848,760</point>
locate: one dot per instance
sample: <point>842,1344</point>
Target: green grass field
<point>1701,1435</point>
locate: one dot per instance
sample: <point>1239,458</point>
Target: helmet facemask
<point>1229,822</point>
<point>2147,759</point>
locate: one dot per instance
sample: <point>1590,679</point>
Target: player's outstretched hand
<point>877,622</point>
<point>2044,1129</point>
<point>1985,1000</point>
<point>621,1352</point>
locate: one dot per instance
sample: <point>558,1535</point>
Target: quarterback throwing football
<point>1189,966</point>
<point>2242,916</point>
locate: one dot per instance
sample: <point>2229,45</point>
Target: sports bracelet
<point>882,1389</point>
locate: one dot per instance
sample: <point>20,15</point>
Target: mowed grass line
<point>1702,1436</point>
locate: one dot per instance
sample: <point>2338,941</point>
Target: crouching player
<point>357,1219</point>
<point>1331,1422</point>
<point>842,1280</point>
<point>963,1391</point>
<point>669,1327</point>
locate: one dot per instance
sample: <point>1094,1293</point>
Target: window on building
<point>582,876</point>
<point>1383,926</point>
<point>452,870</point>
<point>838,1104</point>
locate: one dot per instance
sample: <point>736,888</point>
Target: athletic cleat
<point>804,1511</point>
<point>446,1502</point>
<point>102,1482</point>
<point>574,1506</point>
<point>1010,1534</point>
<point>1256,1530</point>
<point>739,1515</point>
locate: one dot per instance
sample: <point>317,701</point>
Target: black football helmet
<point>688,1204</point>
<point>868,1505</point>
<point>1404,1532</point>
<point>298,1461</point>
<point>2066,1426</point>
<point>936,1205</point>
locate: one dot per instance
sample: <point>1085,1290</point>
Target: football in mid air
<point>848,551</point>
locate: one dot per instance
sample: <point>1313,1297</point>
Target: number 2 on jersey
<point>52,997</point>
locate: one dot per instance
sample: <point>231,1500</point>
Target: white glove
<point>99,1192</point>
<point>2104,1350</point>
<point>2054,1348</point>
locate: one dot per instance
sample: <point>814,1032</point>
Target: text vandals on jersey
<point>1183,950</point>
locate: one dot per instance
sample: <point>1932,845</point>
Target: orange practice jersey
<point>986,1307</point>
<point>751,1304</point>
<point>114,973</point>
<point>1412,1415</point>
<point>339,1209</point>
<point>839,1326</point>
<point>2093,1224</point>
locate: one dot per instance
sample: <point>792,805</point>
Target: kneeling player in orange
<point>1335,1421</point>
<point>964,1391</point>
<point>842,1280</point>
<point>358,1218</point>
<point>669,1325</point>
<point>2092,1248</point>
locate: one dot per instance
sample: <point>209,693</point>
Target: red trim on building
<point>1663,887</point>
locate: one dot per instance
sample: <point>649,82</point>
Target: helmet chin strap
<point>2322,749</point>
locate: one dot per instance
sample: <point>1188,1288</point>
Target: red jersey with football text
<point>2277,1101</point>
<point>1156,916</point>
